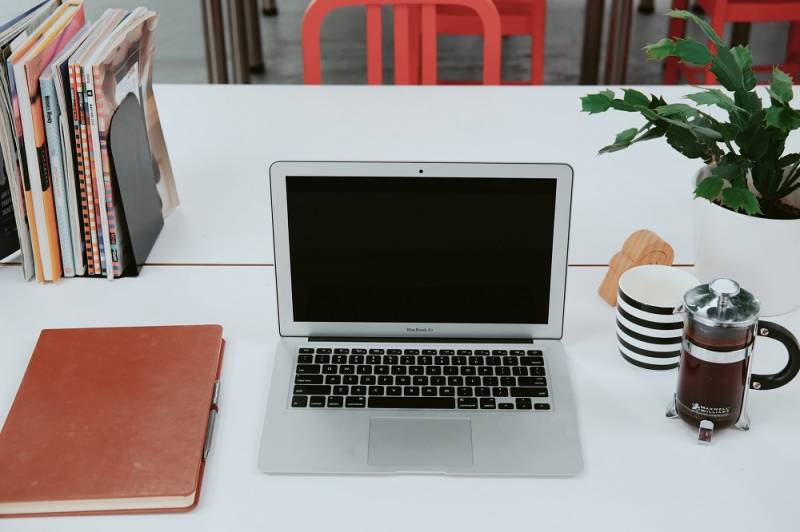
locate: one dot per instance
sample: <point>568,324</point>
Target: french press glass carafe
<point>714,376</point>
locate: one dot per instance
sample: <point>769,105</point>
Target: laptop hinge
<point>425,340</point>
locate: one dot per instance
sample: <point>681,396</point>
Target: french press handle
<point>768,329</point>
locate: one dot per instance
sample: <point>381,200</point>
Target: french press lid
<point>722,303</point>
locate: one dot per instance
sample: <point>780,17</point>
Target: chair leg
<point>539,23</point>
<point>676,28</point>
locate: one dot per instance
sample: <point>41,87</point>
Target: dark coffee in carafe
<point>720,325</point>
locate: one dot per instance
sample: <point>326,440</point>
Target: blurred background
<point>181,56</point>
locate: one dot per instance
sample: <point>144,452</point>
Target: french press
<point>719,328</point>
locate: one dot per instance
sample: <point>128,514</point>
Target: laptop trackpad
<point>422,443</point>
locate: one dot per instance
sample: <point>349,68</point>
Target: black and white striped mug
<point>649,333</point>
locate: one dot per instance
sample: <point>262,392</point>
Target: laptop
<point>420,309</point>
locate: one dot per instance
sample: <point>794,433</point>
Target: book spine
<point>87,197</point>
<point>52,134</point>
<point>22,125</point>
<point>105,201</point>
<point>101,223</point>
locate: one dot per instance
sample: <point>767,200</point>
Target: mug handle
<point>781,334</point>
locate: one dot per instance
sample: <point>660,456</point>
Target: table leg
<point>592,37</point>
<point>619,36</point>
<point>214,37</point>
<point>237,25</point>
<point>269,8</point>
<point>254,54</point>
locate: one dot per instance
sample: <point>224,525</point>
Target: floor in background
<point>180,51</point>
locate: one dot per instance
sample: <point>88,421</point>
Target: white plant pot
<point>762,255</point>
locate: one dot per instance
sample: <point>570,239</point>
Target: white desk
<point>643,472</point>
<point>223,138</point>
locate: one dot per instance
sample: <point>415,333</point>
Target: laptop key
<point>502,370</point>
<point>305,359</point>
<point>307,368</point>
<point>429,391</point>
<point>464,391</point>
<point>485,370</point>
<point>317,401</point>
<point>476,361</point>
<point>447,391</point>
<point>363,369</point>
<point>376,390</point>
<point>465,352</point>
<point>534,352</point>
<point>322,359</point>
<point>299,401</point>
<point>472,381</point>
<point>438,380</point>
<point>505,406</point>
<point>385,380</point>
<point>340,390</point>
<point>339,359</point>
<point>433,370</point>
<point>451,370</point>
<point>359,351</point>
<point>531,361</point>
<point>394,351</point>
<point>536,372</point>
<point>459,360</point>
<point>499,352</point>
<point>532,381</point>
<point>308,379</point>
<point>355,359</point>
<point>335,401</point>
<point>541,406</point>
<point>416,370</point>
<point>491,381</point>
<point>500,391</point>
<point>412,402</point>
<point>330,379</point>
<point>523,403</point>
<point>349,379</point>
<point>394,390</point>
<point>381,370</point>
<point>510,361</point>
<point>487,403</point>
<point>420,380</point>
<point>312,389</point>
<point>347,369</point>
<point>390,360</point>
<point>358,390</point>
<point>324,351</point>
<point>341,351</point>
<point>424,360</point>
<point>406,360</point>
<point>455,381</point>
<point>402,380</point>
<point>411,390</point>
<point>411,351</point>
<point>399,370</point>
<point>528,392</point>
<point>329,369</point>
<point>306,350</point>
<point>508,381</point>
<point>373,359</point>
<point>355,402</point>
<point>467,402</point>
<point>368,380</point>
<point>493,361</point>
<point>519,371</point>
<point>482,352</point>
<point>447,352</point>
<point>468,370</point>
<point>429,351</point>
<point>517,352</point>
<point>375,351</point>
<point>482,391</point>
<point>441,361</point>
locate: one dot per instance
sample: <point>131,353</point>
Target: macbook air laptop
<point>420,309</point>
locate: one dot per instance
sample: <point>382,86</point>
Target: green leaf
<point>740,198</point>
<point>680,109</point>
<point>660,50</point>
<point>709,188</point>
<point>634,97</point>
<point>744,59</point>
<point>692,52</point>
<point>597,103</point>
<point>622,141</point>
<point>783,118</point>
<point>788,160</point>
<point>686,143</point>
<point>714,97</point>
<point>729,172</point>
<point>727,70</point>
<point>702,24</point>
<point>781,86</point>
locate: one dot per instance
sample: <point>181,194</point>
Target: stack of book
<point>67,201</point>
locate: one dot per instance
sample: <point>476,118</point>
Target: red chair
<point>415,30</point>
<point>721,12</point>
<point>517,17</point>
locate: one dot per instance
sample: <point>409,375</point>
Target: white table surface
<point>643,472</point>
<point>222,140</point>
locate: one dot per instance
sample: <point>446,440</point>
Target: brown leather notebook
<point>111,420</point>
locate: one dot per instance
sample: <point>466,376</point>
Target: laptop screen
<point>421,250</point>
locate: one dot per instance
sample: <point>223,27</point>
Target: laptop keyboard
<point>476,379</point>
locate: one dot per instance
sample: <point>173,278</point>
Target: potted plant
<point>747,196</point>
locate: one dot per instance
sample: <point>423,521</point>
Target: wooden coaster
<point>642,247</point>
